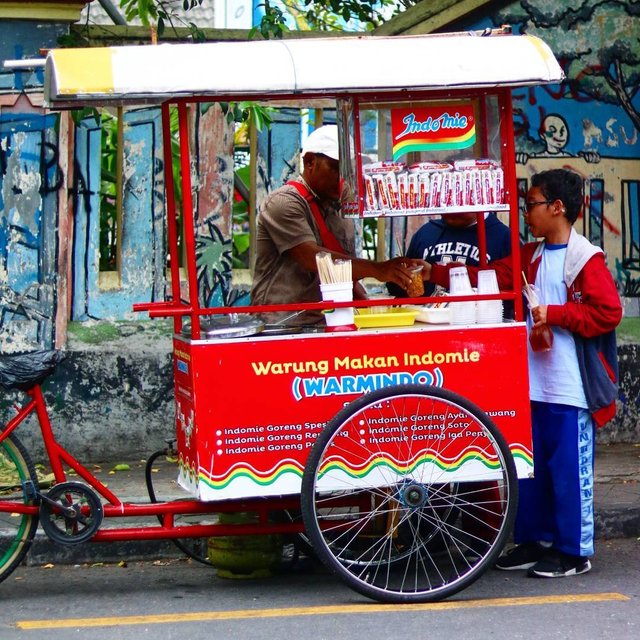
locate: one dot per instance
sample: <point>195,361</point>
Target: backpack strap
<point>328,238</point>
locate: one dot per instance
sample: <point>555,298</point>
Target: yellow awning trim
<point>82,76</point>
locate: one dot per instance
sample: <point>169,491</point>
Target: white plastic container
<point>338,292</point>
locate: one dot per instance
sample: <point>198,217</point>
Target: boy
<point>573,386</point>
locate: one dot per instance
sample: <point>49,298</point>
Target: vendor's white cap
<point>323,140</point>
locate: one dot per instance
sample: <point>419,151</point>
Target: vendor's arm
<point>396,270</point>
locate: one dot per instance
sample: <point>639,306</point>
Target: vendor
<point>301,219</point>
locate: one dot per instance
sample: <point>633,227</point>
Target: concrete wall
<point>113,400</point>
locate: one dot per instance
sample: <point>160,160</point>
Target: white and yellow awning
<point>292,68</point>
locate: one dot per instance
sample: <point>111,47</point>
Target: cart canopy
<point>296,68</point>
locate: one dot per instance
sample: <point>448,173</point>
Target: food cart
<point>403,439</point>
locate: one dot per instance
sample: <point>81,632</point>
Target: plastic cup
<point>338,292</point>
<point>416,286</point>
<point>487,282</point>
<point>459,283</point>
<point>463,312</point>
<point>489,311</point>
<point>380,308</point>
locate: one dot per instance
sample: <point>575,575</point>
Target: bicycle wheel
<point>16,530</point>
<point>409,494</point>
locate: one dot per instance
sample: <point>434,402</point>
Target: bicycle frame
<point>166,512</point>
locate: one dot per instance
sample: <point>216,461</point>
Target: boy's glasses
<point>529,205</point>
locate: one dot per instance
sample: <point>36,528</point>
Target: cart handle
<point>168,309</point>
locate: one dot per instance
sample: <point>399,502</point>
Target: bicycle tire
<point>16,530</point>
<point>386,524</point>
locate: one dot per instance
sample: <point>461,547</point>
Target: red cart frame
<point>399,448</point>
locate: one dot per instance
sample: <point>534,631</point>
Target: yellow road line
<point>203,616</point>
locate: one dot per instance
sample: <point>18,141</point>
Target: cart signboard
<point>249,410</point>
<point>432,129</point>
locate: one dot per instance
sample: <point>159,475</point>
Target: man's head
<point>320,157</point>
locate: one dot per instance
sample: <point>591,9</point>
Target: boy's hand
<point>539,314</point>
<point>426,269</point>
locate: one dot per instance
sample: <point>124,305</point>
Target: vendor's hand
<point>539,314</point>
<point>396,270</point>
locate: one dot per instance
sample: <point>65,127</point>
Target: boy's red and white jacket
<point>592,312</point>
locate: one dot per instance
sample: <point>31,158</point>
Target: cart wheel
<point>380,503</point>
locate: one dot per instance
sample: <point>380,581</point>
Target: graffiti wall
<point>212,159</point>
<point>590,123</point>
<point>30,177</point>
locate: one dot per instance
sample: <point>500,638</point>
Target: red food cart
<point>403,439</point>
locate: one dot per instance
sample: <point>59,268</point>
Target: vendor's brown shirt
<point>286,221</point>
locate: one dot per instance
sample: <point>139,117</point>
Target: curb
<point>44,551</point>
<point>622,522</point>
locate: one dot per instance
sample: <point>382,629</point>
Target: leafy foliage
<point>273,24</point>
<point>326,15</point>
<point>213,264</point>
<point>162,14</point>
<point>108,192</point>
<point>320,15</point>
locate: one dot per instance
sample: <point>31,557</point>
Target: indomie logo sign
<point>432,129</point>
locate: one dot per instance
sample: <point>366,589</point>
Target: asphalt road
<point>176,599</point>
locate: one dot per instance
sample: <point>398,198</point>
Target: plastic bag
<point>25,370</point>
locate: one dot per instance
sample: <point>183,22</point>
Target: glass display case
<point>419,155</point>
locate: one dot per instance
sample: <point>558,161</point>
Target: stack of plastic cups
<point>459,285</point>
<point>488,311</point>
<point>338,319</point>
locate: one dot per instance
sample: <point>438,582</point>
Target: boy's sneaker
<point>559,565</point>
<point>524,556</point>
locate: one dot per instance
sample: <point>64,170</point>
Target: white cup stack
<point>488,311</point>
<point>459,285</point>
<point>338,292</point>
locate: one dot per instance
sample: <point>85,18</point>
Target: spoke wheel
<point>71,513</point>
<point>16,530</point>
<point>409,494</point>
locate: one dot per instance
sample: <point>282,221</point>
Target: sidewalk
<point>617,507</point>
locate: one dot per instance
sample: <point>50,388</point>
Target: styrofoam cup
<point>338,292</point>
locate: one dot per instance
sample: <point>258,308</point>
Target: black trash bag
<point>25,370</point>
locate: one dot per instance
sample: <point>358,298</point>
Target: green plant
<point>244,115</point>
<point>161,13</point>
<point>629,330</point>
<point>108,192</point>
<point>326,15</point>
<point>241,236</point>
